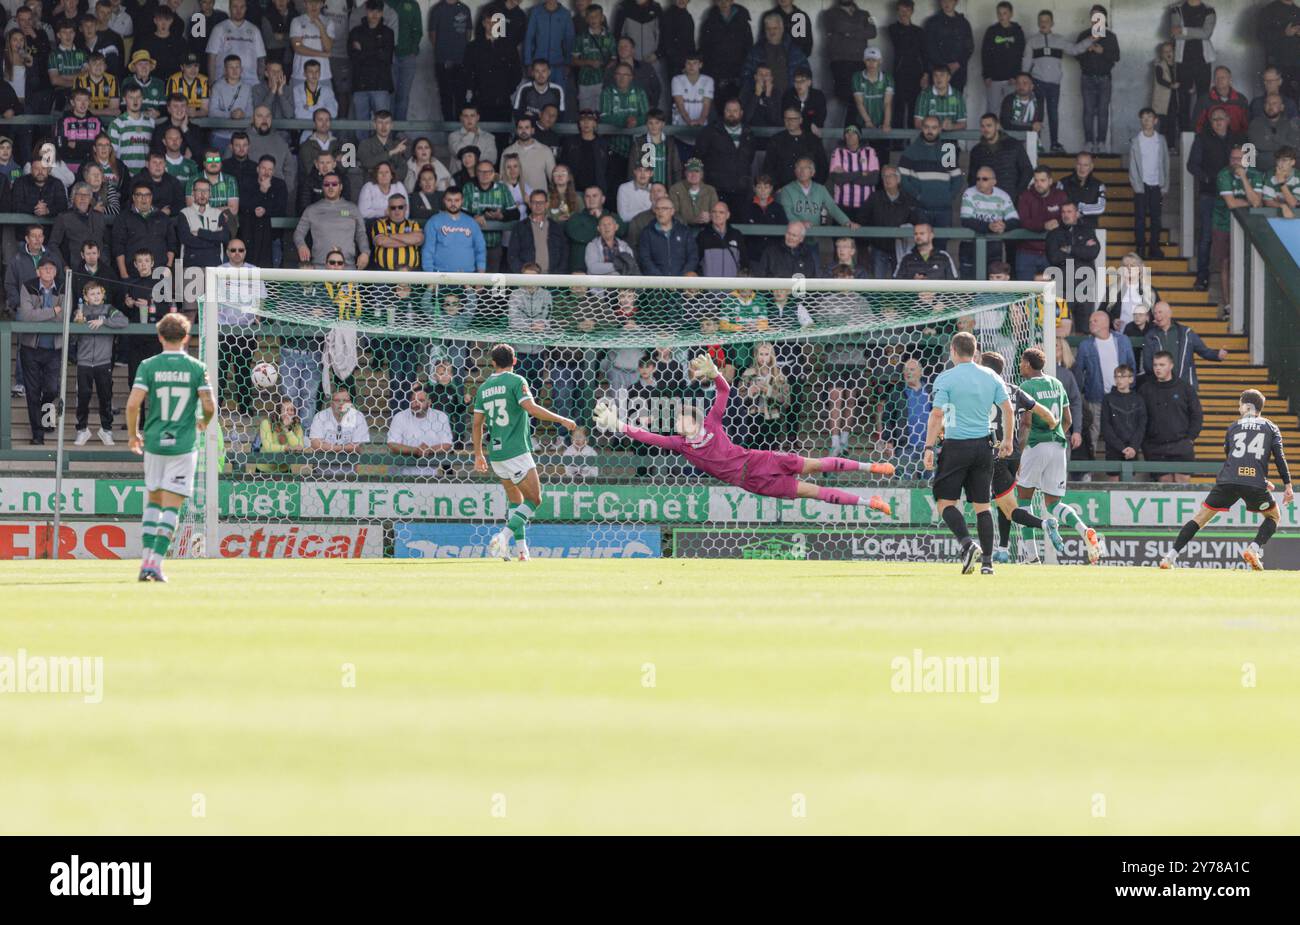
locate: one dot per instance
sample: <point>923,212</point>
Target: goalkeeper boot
<point>968,557</point>
<point>1002,555</point>
<point>499,546</point>
<point>877,503</point>
<point>1093,542</point>
<point>885,469</point>
<point>1052,527</point>
<point>1254,557</point>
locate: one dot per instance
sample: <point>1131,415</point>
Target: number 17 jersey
<point>172,381</point>
<point>507,424</point>
<point>1247,446</point>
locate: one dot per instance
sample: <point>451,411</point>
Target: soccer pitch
<point>654,696</point>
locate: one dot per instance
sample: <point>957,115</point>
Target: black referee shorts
<point>1225,494</point>
<point>1004,475</point>
<point>964,465</point>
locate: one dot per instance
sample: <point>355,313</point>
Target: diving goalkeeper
<point>706,445</point>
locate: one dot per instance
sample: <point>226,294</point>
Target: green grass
<point>771,679</point>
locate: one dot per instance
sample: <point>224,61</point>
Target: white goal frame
<point>1046,289</point>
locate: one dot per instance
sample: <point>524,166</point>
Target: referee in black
<point>965,397</point>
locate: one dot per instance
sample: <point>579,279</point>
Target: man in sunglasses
<point>333,223</point>
<point>223,188</point>
<point>395,239</point>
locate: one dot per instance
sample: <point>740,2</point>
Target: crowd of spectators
<point>129,84</point>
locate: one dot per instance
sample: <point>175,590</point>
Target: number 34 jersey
<point>500,401</point>
<point>1247,445</point>
<point>172,381</point>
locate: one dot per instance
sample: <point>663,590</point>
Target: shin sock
<point>518,522</point>
<point>839,464</point>
<point>1022,516</point>
<point>148,533</point>
<point>1185,535</point>
<point>956,523</point>
<point>1265,532</point>
<point>1069,517</point>
<point>984,526</point>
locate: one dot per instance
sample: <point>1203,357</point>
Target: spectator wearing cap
<point>467,157</point>
<point>848,29</point>
<point>470,134</point>
<point>873,93</point>
<point>726,149</point>
<point>692,198</point>
<point>40,357</point>
<point>776,50</point>
<point>153,91</point>
<point>810,102</point>
<point>586,153</point>
<point>191,84</point>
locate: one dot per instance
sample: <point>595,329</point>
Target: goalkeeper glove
<point>606,417</point>
<point>703,368</point>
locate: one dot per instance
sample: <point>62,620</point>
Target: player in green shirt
<point>171,386</point>
<point>1043,463</point>
<point>502,407</point>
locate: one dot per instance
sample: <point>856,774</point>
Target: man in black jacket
<point>949,41</point>
<point>721,246</point>
<point>1174,417</point>
<point>787,147</point>
<point>168,192</point>
<point>725,39</point>
<point>523,244</point>
<point>789,256</point>
<point>727,150</point>
<point>1211,152</point>
<point>371,46</point>
<point>1072,248</point>
<point>586,153</point>
<point>889,207</point>
<point>1000,54</point>
<point>37,193</point>
<point>1006,155</point>
<point>910,72</point>
<point>78,224</point>
<point>142,227</point>
<point>924,260</point>
<point>1095,65</point>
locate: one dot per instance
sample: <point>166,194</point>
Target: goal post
<point>392,360</point>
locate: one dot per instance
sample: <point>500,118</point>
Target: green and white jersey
<point>1229,184</point>
<point>873,93</point>
<point>1049,393</point>
<point>952,105</point>
<point>1274,185</point>
<point>507,425</point>
<point>172,381</point>
<point>132,136</point>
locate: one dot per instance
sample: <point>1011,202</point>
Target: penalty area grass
<point>661,696</point>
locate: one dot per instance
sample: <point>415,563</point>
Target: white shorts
<point>1043,467</point>
<point>515,469</point>
<point>171,473</point>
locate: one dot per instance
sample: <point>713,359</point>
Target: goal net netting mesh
<point>345,409</point>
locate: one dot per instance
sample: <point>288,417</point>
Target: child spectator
<point>1123,419</point>
<point>579,448</point>
<point>95,361</point>
<point>1282,186</point>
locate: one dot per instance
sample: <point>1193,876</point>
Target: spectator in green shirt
<point>410,31</point>
<point>622,106</point>
<point>592,53</point>
<point>941,101</point>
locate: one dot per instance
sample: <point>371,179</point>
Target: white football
<point>265,375</point>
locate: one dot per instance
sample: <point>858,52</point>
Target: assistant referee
<point>964,399</point>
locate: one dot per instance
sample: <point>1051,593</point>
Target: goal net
<point>345,409</point>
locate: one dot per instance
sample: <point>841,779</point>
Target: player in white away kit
<point>171,386</point>
<point>1247,445</point>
